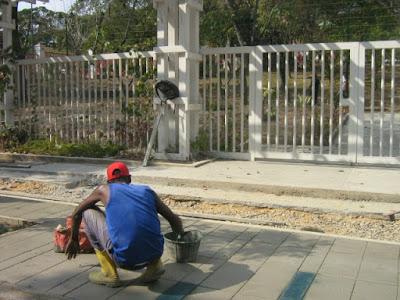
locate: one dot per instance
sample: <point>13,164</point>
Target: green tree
<point>40,25</point>
<point>115,25</point>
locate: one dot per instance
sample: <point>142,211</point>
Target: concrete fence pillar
<point>178,57</point>
<point>8,26</point>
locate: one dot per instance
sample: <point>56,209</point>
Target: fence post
<point>178,25</point>
<point>189,11</point>
<point>356,103</point>
<point>167,35</point>
<point>8,97</point>
<point>255,102</point>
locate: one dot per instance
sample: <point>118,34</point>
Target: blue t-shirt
<point>133,224</point>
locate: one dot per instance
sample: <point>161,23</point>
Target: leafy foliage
<point>298,21</point>
<point>47,147</point>
<point>200,146</point>
<point>11,137</point>
<point>122,25</point>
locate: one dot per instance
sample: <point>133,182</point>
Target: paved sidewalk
<point>235,262</point>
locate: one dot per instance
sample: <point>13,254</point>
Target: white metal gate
<point>314,102</point>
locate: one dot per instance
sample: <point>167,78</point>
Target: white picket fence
<point>333,102</point>
<point>291,102</point>
<point>85,98</point>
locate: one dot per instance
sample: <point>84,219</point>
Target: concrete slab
<point>269,281</point>
<point>317,255</point>
<point>150,292</point>
<point>341,265</point>
<point>51,277</point>
<point>206,268</point>
<point>92,291</point>
<point>330,288</point>
<point>253,254</point>
<point>71,284</point>
<point>229,274</point>
<point>367,290</point>
<point>203,293</point>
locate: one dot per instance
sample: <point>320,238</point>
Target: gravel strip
<point>333,223</point>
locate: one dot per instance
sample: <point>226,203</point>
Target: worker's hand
<point>72,249</point>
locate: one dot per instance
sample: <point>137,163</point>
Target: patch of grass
<point>46,147</point>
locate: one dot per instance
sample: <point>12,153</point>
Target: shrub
<point>47,147</point>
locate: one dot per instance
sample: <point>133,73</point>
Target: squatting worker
<point>128,235</point>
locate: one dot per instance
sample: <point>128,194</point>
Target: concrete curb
<point>271,189</point>
<point>378,216</point>
<point>11,157</point>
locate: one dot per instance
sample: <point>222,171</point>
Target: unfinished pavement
<point>355,190</point>
<point>235,262</point>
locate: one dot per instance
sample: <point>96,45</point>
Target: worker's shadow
<point>183,279</point>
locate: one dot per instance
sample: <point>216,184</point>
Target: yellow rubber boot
<point>153,271</point>
<point>108,275</point>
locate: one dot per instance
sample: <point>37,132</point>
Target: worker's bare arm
<point>173,219</point>
<point>73,245</point>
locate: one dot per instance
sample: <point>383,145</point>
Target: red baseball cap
<point>123,170</point>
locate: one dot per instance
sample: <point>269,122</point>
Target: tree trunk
<point>254,18</point>
<point>235,25</point>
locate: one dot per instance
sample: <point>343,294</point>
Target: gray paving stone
<point>203,293</point>
<point>229,274</point>
<point>382,250</point>
<point>60,213</point>
<point>269,281</point>
<point>31,267</point>
<point>330,288</point>
<point>342,264</point>
<point>315,258</point>
<point>71,284</point>
<point>4,265</point>
<point>249,233</point>
<point>150,292</point>
<point>247,297</point>
<point>177,271</point>
<point>12,206</point>
<point>26,245</point>
<point>204,226</point>
<point>4,207</point>
<point>231,248</point>
<point>253,254</point>
<point>289,255</point>
<point>203,271</point>
<point>211,244</point>
<point>49,211</point>
<point>93,291</point>
<point>10,238</point>
<point>25,210</point>
<point>56,275</point>
<point>348,246</point>
<point>228,231</point>
<point>300,240</point>
<point>380,263</point>
<point>10,292</point>
<point>271,237</point>
<point>366,290</point>
<point>379,269</point>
